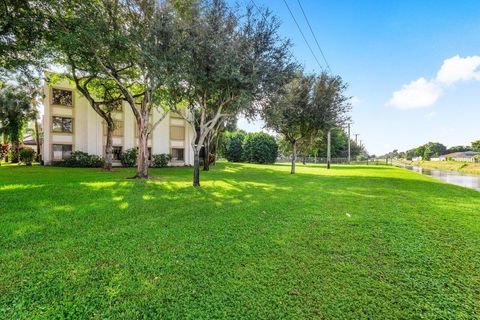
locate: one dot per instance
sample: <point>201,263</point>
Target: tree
<point>126,46</point>
<point>307,108</point>
<point>476,145</point>
<point>433,149</point>
<point>458,149</point>
<point>289,113</point>
<point>21,36</point>
<point>231,64</point>
<point>15,111</point>
<point>229,124</point>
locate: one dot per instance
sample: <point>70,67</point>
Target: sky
<point>413,67</point>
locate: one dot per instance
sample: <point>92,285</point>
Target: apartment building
<point>71,124</point>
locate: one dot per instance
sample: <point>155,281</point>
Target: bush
<point>27,155</point>
<point>160,160</point>
<point>80,159</point>
<point>128,158</point>
<point>234,147</point>
<point>4,151</point>
<point>260,148</point>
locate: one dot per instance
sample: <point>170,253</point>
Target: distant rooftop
<point>463,154</point>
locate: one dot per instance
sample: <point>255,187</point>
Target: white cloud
<point>459,69</point>
<point>423,93</point>
<point>429,116</point>
<point>419,93</point>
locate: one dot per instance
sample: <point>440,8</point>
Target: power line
<point>265,19</point>
<point>314,37</point>
<point>301,32</point>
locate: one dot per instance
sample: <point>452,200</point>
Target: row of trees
<point>198,58</point>
<point>432,150</point>
<point>232,145</point>
<point>338,146</point>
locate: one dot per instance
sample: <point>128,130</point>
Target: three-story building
<point>71,124</point>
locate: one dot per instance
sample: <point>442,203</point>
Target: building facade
<point>71,124</point>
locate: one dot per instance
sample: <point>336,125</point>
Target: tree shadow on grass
<point>250,236</point>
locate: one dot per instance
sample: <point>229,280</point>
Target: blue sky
<point>426,52</point>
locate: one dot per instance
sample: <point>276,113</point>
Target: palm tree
<point>16,110</point>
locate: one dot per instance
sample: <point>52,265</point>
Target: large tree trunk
<point>15,151</point>
<point>196,167</point>
<point>142,153</point>
<point>37,140</point>
<point>206,155</point>
<point>109,147</point>
<point>294,156</point>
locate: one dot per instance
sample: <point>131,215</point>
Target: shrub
<point>160,160</point>
<point>4,151</point>
<point>260,148</point>
<point>362,157</point>
<point>234,147</point>
<point>27,155</point>
<point>80,159</point>
<point>212,157</point>
<point>128,158</point>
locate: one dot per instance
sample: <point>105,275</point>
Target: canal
<point>454,177</point>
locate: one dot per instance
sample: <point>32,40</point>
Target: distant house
<point>417,159</point>
<point>30,141</point>
<point>467,156</point>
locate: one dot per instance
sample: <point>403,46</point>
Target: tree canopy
<point>231,63</point>
<point>16,110</point>
<point>306,108</point>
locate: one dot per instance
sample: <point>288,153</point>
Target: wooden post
<point>328,149</point>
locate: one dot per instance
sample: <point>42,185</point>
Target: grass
<point>253,243</point>
<point>460,166</point>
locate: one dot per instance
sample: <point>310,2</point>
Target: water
<point>454,177</point>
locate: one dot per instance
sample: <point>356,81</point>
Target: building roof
<point>464,154</point>
<point>30,140</point>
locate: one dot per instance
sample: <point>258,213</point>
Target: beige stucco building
<point>71,124</point>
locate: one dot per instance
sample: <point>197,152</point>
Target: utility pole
<point>356,137</point>
<point>328,149</point>
<point>349,158</point>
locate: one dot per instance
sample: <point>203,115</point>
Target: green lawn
<point>254,242</point>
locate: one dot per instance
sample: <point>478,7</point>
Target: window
<point>117,153</point>
<point>62,97</point>
<point>177,154</point>
<point>62,124</point>
<point>177,133</point>
<point>117,131</point>
<point>61,151</point>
